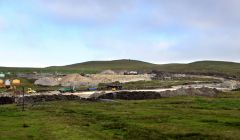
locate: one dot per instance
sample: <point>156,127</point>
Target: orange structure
<point>1,83</point>
<point>16,82</point>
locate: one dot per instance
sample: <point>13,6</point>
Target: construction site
<point>118,103</point>
<point>119,70</point>
<point>108,82</point>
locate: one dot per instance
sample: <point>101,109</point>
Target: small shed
<point>2,75</point>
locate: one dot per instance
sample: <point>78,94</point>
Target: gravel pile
<point>110,72</point>
<point>75,80</point>
<point>47,81</point>
<point>90,80</point>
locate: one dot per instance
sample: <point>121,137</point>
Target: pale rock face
<point>108,72</point>
<point>47,81</point>
<point>90,80</point>
<point>231,84</point>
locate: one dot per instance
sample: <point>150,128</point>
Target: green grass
<point>99,66</point>
<point>220,67</point>
<point>167,118</point>
<point>88,67</point>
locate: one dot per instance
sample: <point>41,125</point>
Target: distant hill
<point>220,67</point>
<point>97,66</point>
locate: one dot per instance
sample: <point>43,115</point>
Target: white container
<point>7,82</point>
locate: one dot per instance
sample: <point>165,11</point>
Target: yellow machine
<point>30,91</point>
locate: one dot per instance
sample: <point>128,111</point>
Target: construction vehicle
<point>114,87</point>
<point>30,91</point>
<point>67,89</point>
<point>92,89</point>
<point>110,86</point>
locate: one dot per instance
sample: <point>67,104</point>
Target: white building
<point>2,75</point>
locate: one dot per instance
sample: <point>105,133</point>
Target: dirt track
<point>226,85</point>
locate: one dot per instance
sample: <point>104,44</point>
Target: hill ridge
<point>206,66</point>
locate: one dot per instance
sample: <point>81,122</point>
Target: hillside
<point>97,66</point>
<point>220,67</point>
<point>19,69</point>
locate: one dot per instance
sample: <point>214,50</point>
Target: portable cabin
<point>7,83</point>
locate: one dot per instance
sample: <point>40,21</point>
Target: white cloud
<point>152,30</point>
<point>93,10</point>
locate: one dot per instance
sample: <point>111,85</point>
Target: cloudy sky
<point>57,32</point>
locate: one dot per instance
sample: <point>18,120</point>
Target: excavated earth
<point>142,95</point>
<point>124,95</point>
<point>89,80</point>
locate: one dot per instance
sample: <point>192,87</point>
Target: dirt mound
<point>90,80</point>
<point>231,84</point>
<point>136,95</point>
<point>131,95</point>
<point>103,78</point>
<point>75,80</point>
<point>208,92</point>
<point>95,79</point>
<point>109,72</point>
<point>46,98</point>
<point>47,81</point>
<point>6,100</point>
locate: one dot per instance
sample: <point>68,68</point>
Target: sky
<point>40,33</point>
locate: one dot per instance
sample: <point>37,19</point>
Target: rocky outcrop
<point>47,81</point>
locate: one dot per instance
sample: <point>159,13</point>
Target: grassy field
<point>167,118</point>
<point>220,67</point>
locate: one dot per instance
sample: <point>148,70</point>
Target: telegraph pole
<point>23,98</point>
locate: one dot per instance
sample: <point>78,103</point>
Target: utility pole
<point>23,98</point>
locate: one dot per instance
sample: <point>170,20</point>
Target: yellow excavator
<point>30,91</point>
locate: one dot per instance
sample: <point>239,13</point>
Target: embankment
<point>126,95</point>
